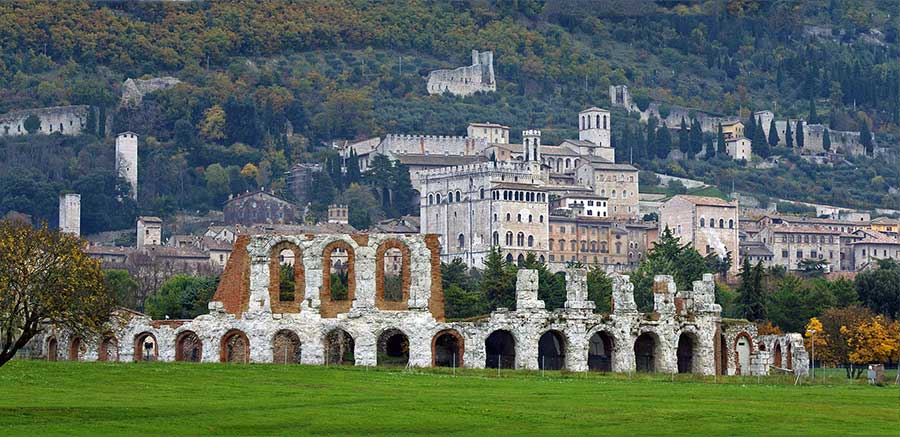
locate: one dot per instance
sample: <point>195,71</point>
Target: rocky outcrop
<point>134,90</point>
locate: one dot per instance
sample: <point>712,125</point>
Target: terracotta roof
<point>704,200</point>
<point>803,229</point>
<point>885,221</point>
<point>874,237</point>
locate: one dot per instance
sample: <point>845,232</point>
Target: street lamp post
<point>812,363</point>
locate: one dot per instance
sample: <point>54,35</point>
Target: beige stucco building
<point>710,224</point>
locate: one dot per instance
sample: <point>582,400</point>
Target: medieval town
<point>625,233</point>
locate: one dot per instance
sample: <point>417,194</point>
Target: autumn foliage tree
<point>46,279</point>
<point>872,341</point>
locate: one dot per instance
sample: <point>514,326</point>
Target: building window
<point>431,199</point>
<point>730,223</point>
<point>800,254</point>
<point>496,239</point>
<point>784,253</point>
<point>507,217</point>
<point>509,238</point>
<point>462,241</point>
<point>520,239</point>
<point>721,223</point>
<point>530,241</point>
<point>541,218</point>
<point>562,245</point>
<point>519,218</point>
<point>702,222</point>
<point>530,220</point>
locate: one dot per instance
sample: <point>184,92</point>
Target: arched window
<point>573,245</point>
<point>437,198</point>
<point>593,246</point>
<point>509,238</point>
<point>702,222</point>
<point>450,197</point>
<point>507,217</point>
<point>603,247</point>
<point>618,247</point>
<point>541,219</point>
<point>598,121</point>
<point>431,199</point>
<point>496,239</point>
<point>530,241</point>
<point>613,194</point>
<point>520,239</point>
<point>568,162</point>
<point>458,196</point>
<point>721,223</point>
<point>562,244</point>
<point>481,193</point>
<point>519,218</point>
<point>338,279</point>
<point>530,218</point>
<point>712,222</point>
<point>730,223</point>
<point>286,277</point>
<point>461,239</point>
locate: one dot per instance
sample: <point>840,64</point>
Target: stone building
<point>149,231</point>
<point>738,149</point>
<point>590,205</point>
<point>791,244</point>
<point>491,132</point>
<point>733,129</point>
<point>65,120</point>
<point>127,160</point>
<point>70,213</point>
<point>871,246</point>
<point>260,207</point>
<point>300,181</point>
<point>134,90</point>
<point>359,322</point>
<point>463,81</point>
<point>710,224</point>
<point>596,242</point>
<point>339,214</point>
<point>886,225</point>
<point>618,183</point>
<point>477,206</point>
<point>756,252</point>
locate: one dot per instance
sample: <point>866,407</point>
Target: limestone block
<point>527,290</point>
<point>623,295</point>
<point>576,290</point>
<point>664,294</point>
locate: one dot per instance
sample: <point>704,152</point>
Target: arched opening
<point>339,348</point>
<point>722,357</point>
<point>392,278</point>
<point>645,352</point>
<point>447,349</point>
<point>52,349</point>
<point>509,258</point>
<point>685,353</point>
<point>393,348</point>
<point>500,350</point>
<point>235,347</point>
<point>286,347</point>
<point>286,278</point>
<point>338,279</point>
<point>552,351</point>
<point>777,354</point>
<point>109,349</point>
<point>600,349</point>
<point>742,346</point>
<point>145,347</point>
<point>189,347</point>
<point>520,260</point>
<point>75,349</point>
<point>788,364</point>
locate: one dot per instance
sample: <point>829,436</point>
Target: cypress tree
<point>663,142</point>
<point>720,141</point>
<point>750,130</point>
<point>813,114</point>
<point>800,139</point>
<point>650,142</point>
<point>773,134</point>
<point>759,145</point>
<point>91,122</point>
<point>710,148</point>
<point>496,283</point>
<point>751,299</point>
<point>789,135</point>
<point>696,138</point>
<point>826,141</point>
<point>865,138</point>
<point>683,140</point>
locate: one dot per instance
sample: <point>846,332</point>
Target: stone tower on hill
<point>70,213</point>
<point>127,159</point>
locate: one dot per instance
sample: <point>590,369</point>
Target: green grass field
<point>41,398</point>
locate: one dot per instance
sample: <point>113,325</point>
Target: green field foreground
<point>41,398</point>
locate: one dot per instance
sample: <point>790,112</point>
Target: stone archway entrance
<point>145,347</point>
<point>600,349</point>
<point>286,347</point>
<point>552,351</point>
<point>500,350</point>
<point>75,349</point>
<point>235,347</point>
<point>189,347</point>
<point>393,348</point>
<point>52,349</point>
<point>447,349</point>
<point>645,353</point>
<point>109,349</point>
<point>339,348</point>
<point>685,353</point>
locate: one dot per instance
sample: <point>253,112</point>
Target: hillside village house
<point>710,224</point>
<point>738,149</point>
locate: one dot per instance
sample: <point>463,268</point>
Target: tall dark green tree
<point>813,113</point>
<point>759,144</point>
<point>663,142</point>
<point>789,135</point>
<point>32,124</point>
<point>497,282</point>
<point>750,129</point>
<point>354,176</point>
<point>696,138</point>
<point>826,141</point>
<point>684,144</point>
<point>752,299</point>
<point>865,138</point>
<point>720,141</point>
<point>710,148</point>
<point>800,137</point>
<point>773,134</point>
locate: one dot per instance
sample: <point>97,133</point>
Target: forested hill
<point>351,69</point>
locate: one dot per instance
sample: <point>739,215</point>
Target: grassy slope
<point>50,398</point>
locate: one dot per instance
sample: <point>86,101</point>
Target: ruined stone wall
<point>463,81</point>
<point>67,120</point>
<point>243,327</point>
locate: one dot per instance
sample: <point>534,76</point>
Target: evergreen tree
<point>650,151</point>
<point>752,298</point>
<point>800,140</point>
<point>750,129</point>
<point>684,140</point>
<point>90,125</point>
<point>773,134</point>
<point>813,113</point>
<point>696,138</point>
<point>101,122</point>
<point>759,145</point>
<point>32,124</point>
<point>353,173</point>
<point>865,138</point>
<point>710,148</point>
<point>826,141</point>
<point>663,142</point>
<point>497,283</point>
<point>789,135</point>
<point>720,141</point>
<point>403,197</point>
<point>379,178</point>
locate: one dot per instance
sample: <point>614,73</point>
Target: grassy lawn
<point>41,398</point>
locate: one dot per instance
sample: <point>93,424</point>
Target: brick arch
<point>460,344</point>
<point>286,306</point>
<point>188,340</point>
<point>234,338</point>
<point>380,301</point>
<point>52,348</point>
<point>139,341</point>
<point>75,345</point>
<point>329,308</point>
<point>108,349</point>
<point>737,358</point>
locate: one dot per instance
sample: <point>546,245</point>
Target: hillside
<point>346,70</point>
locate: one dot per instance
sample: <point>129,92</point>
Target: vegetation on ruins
<point>182,297</point>
<point>46,278</point>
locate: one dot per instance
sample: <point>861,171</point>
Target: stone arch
<point>520,260</point>
<point>392,348</point>
<point>108,350</point>
<point>188,347</point>
<point>146,348</point>
<point>286,294</point>
<point>788,361</point>
<point>601,346</point>
<point>387,296</point>
<point>286,347</point>
<point>720,347</point>
<point>334,302</point>
<point>500,350</point>
<point>234,347</point>
<point>777,354</point>
<point>686,353</point>
<point>647,354</point>
<point>339,348</point>
<point>552,350</point>
<point>52,348</point>
<point>447,349</point>
<point>743,348</point>
<point>75,346</point>
<point>509,258</point>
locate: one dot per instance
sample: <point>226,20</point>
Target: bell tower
<point>594,125</point>
<point>531,145</point>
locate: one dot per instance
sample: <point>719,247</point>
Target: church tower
<point>531,145</point>
<point>127,159</point>
<point>594,126</point>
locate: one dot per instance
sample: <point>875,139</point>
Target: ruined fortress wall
<point>463,81</point>
<point>68,120</point>
<point>244,311</point>
<point>432,145</point>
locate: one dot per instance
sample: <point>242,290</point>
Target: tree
<point>353,173</point>
<point>812,267</point>
<point>599,286</point>
<point>832,319</point>
<point>217,182</point>
<point>46,279</point>
<point>182,297</point>
<point>403,197</point>
<point>872,341</point>
<point>242,123</point>
<point>759,144</point>
<point>667,257</point>
<point>750,129</point>
<point>789,135</point>
<point>364,208</point>
<point>720,141</point>
<point>212,126</point>
<point>497,282</point>
<point>800,139</point>
<point>773,134</point>
<point>751,294</point>
<point>813,113</point>
<point>879,289</point>
<point>826,141</point>
<point>865,138</point>
<point>32,124</point>
<point>684,139</point>
<point>814,336</point>
<point>122,287</point>
<point>696,138</point>
<point>663,142</point>
<point>710,148</point>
